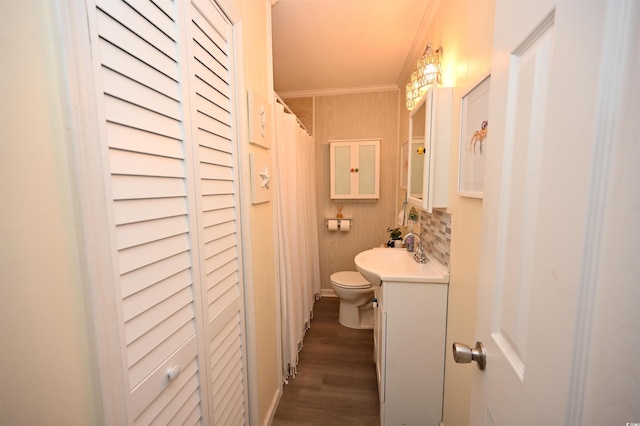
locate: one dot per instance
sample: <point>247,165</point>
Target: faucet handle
<point>420,256</point>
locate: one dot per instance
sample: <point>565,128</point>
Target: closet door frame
<point>76,68</point>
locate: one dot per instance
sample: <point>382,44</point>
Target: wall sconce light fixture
<point>428,73</point>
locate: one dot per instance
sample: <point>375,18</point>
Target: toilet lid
<point>349,279</point>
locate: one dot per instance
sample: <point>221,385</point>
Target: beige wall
<point>46,371</point>
<point>355,116</point>
<point>464,28</point>
<point>261,278</point>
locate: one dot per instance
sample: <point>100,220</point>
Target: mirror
<point>417,153</point>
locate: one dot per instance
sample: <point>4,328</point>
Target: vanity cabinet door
<point>379,337</point>
<point>413,335</point>
<point>355,169</point>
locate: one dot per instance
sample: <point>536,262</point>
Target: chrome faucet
<point>418,255</point>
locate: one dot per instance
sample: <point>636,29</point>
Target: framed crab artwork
<point>474,138</point>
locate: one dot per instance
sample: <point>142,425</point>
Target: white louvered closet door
<point>210,88</point>
<point>167,122</point>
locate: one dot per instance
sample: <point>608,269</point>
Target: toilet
<point>355,293</point>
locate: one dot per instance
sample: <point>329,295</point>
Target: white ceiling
<point>340,45</point>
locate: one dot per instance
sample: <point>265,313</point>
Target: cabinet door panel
<point>367,169</point>
<point>342,158</point>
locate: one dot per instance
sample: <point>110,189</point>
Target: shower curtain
<point>297,231</point>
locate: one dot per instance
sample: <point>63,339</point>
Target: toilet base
<point>356,317</point>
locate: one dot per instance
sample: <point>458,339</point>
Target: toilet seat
<point>349,280</point>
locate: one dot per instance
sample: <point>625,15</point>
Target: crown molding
<point>338,91</point>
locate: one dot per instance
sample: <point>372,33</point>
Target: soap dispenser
<point>409,240</point>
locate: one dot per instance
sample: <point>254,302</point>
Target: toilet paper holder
<point>339,221</point>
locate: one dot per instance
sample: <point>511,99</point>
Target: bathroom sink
<point>391,264</point>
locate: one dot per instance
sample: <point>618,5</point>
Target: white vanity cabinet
<point>409,336</point>
<point>355,169</point>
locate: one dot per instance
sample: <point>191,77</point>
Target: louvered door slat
<point>140,233</point>
<point>133,163</point>
<point>125,39</point>
<point>225,275</point>
<point>156,251</point>
<point>218,23</point>
<point>213,217</point>
<point>125,113</point>
<point>209,56</point>
<point>165,6</point>
<point>219,231</point>
<point>217,202</point>
<point>211,140</point>
<point>219,260</point>
<point>178,409</point>
<point>133,92</point>
<point>212,95</point>
<point>222,348</point>
<point>144,395</point>
<point>214,171</point>
<point>226,400</point>
<point>194,418</point>
<point>141,324</point>
<point>221,245</point>
<point>217,187</point>
<point>140,370</point>
<point>139,302</point>
<point>206,35</point>
<point>183,416</point>
<point>139,350</point>
<point>158,17</point>
<point>222,282</point>
<point>137,70</point>
<point>136,140</point>
<point>221,295</point>
<point>126,187</point>
<point>130,211</point>
<point>141,27</point>
<point>136,281</point>
<point>213,110</point>
<point>211,125</point>
<point>215,156</point>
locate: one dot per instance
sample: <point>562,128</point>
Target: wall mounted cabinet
<point>430,134</point>
<point>355,169</point>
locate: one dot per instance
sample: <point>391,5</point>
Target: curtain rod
<point>286,108</point>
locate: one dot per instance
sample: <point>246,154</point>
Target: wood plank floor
<point>336,380</point>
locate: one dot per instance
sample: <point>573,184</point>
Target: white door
<point>558,288</point>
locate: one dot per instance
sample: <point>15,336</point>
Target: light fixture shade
<point>409,93</point>
<point>428,73</point>
<point>429,68</point>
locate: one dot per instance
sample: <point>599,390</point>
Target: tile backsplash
<point>435,231</point>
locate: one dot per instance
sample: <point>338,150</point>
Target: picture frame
<point>259,120</point>
<point>404,164</point>
<point>260,174</point>
<point>474,138</point>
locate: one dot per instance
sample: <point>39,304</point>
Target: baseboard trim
<point>327,292</point>
<point>273,408</point>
